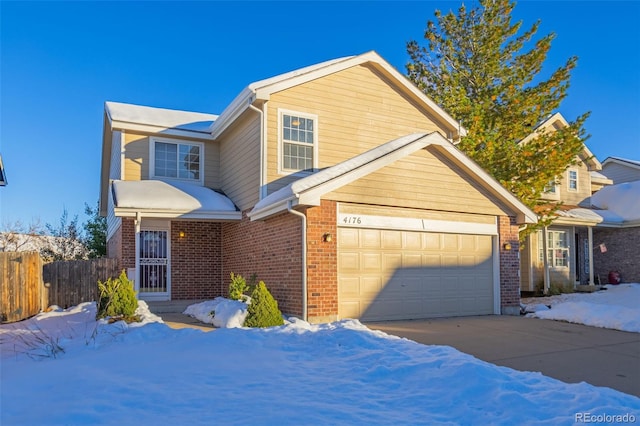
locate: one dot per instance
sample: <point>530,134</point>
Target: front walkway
<point>171,313</point>
<point>569,352</point>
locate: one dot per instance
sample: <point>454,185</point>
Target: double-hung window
<point>177,160</point>
<point>298,133</point>
<point>557,248</point>
<point>572,181</point>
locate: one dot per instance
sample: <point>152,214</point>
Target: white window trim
<point>552,261</point>
<point>314,117</point>
<point>569,180</point>
<point>152,159</point>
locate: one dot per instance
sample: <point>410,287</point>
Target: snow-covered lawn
<point>66,368</point>
<point>616,307</point>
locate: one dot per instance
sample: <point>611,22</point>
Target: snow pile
<point>338,373</point>
<point>623,200</point>
<point>617,307</point>
<point>221,312</point>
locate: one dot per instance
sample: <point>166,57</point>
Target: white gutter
<point>304,257</point>
<point>263,139</point>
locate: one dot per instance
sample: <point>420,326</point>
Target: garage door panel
<point>431,241</point>
<point>391,240</point>
<point>349,261</point>
<point>349,238</point>
<point>369,238</point>
<point>371,262</point>
<point>413,274</point>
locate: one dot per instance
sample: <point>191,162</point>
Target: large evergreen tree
<point>484,71</point>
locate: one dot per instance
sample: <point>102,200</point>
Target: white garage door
<point>390,274</point>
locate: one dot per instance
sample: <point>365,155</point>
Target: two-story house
<point>337,184</point>
<point>568,242</point>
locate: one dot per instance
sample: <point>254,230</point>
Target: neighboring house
<point>568,241</point>
<point>621,170</point>
<point>617,237</point>
<point>337,184</point>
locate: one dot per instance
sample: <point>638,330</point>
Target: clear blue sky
<point>59,63</point>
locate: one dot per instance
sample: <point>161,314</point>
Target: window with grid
<point>177,160</point>
<point>573,180</point>
<point>298,139</point>
<point>557,249</point>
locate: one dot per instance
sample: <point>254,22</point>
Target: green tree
<point>484,71</point>
<point>95,232</point>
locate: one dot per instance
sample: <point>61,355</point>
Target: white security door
<point>153,255</point>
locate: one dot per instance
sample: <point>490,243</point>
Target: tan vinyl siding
<point>584,185</point>
<point>402,184</point>
<point>136,157</point>
<point>240,157</point>
<point>357,110</point>
<point>137,160</point>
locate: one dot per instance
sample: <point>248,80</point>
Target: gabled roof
<point>556,122</point>
<point>154,198</point>
<point>151,119</point>
<point>622,161</point>
<point>262,90</point>
<point>309,190</point>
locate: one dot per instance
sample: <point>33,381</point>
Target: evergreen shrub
<point>237,287</point>
<point>117,298</point>
<point>263,310</point>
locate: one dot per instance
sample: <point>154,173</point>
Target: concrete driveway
<point>572,353</point>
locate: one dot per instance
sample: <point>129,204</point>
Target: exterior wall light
<point>182,234</point>
<point>327,238</point>
<point>506,246</point>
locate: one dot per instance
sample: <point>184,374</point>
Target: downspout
<point>263,138</point>
<point>304,257</point>
<point>137,223</point>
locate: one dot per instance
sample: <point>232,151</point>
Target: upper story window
<point>572,181</point>
<point>298,135</point>
<point>177,160</point>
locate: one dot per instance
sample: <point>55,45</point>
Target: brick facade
<point>196,260</point>
<point>271,249</point>
<point>622,255</point>
<point>322,263</point>
<point>509,266</point>
<point>122,244</point>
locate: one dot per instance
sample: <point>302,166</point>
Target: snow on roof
<point>161,117</point>
<point>621,200</point>
<point>580,214</point>
<point>171,199</point>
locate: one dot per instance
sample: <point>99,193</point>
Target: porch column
<point>590,251</point>
<point>545,260</point>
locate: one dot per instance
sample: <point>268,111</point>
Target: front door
<point>153,255</point>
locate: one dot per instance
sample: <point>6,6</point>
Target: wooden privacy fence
<point>68,283</point>
<point>28,287</point>
<point>20,285</point>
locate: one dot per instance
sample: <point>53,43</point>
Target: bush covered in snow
<point>263,310</point>
<point>117,298</point>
